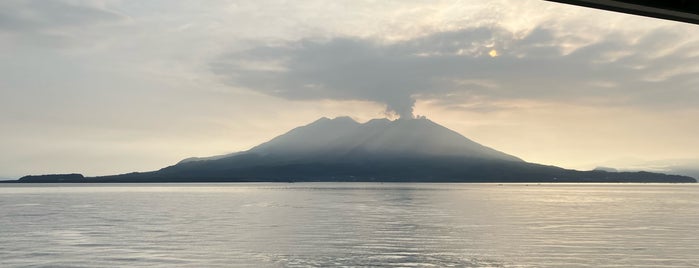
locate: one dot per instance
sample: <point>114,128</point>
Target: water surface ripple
<point>349,224</point>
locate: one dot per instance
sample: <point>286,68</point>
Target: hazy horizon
<point>108,87</point>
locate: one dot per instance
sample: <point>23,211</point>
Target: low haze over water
<point>349,224</point>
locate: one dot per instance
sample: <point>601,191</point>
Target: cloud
<point>455,68</point>
<point>34,15</point>
<point>50,23</point>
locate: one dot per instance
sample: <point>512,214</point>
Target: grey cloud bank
<point>457,67</point>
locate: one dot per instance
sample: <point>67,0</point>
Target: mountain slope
<point>344,137</point>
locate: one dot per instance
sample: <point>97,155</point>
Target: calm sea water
<point>349,224</point>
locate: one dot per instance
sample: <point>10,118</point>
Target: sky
<point>114,86</point>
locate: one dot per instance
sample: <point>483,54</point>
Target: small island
<point>53,178</point>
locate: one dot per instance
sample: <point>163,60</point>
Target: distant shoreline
<point>189,181</point>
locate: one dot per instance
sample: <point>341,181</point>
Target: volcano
<point>380,150</point>
<point>343,139</point>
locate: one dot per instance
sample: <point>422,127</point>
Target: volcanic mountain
<point>343,139</point>
<point>341,149</point>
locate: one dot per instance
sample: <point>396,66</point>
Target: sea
<point>349,225</point>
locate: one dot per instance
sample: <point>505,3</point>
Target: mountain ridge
<point>376,136</point>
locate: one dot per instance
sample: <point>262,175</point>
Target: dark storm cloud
<point>454,68</point>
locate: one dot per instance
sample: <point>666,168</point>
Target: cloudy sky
<point>103,87</point>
